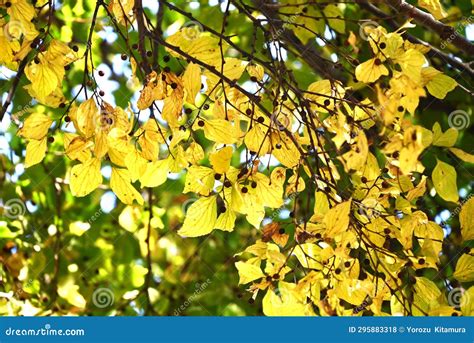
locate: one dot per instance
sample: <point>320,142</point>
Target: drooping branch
<point>428,21</point>
<point>434,52</point>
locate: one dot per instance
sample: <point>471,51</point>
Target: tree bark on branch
<point>428,21</point>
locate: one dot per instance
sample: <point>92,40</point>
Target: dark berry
<point>281,231</point>
<point>188,111</point>
<point>260,119</point>
<point>377,62</point>
<point>50,139</point>
<point>123,57</point>
<point>363,179</point>
<point>383,45</point>
<point>101,73</point>
<point>217,176</point>
<point>166,58</point>
<point>75,48</point>
<point>201,123</point>
<point>253,184</point>
<point>227,183</point>
<point>206,107</point>
<point>244,190</point>
<point>327,102</point>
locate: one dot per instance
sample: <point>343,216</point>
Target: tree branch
<point>434,52</point>
<point>15,83</point>
<point>428,21</point>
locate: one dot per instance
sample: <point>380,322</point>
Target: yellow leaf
<point>233,69</point>
<point>35,152</point>
<point>226,220</point>
<point>70,292</point>
<point>200,218</point>
<point>121,185</point>
<point>192,82</point>
<point>248,272</point>
<point>370,70</point>
<point>194,153</point>
<point>462,155</point>
<point>135,164</point>
<point>467,302</point>
<point>155,174</point>
<point>444,180</point>
<point>77,147</point>
<point>199,180</point>
<point>218,130</point>
<point>36,126</point>
<point>465,268</point>
<point>437,83</point>
<point>86,118</point>
<point>337,219</point>
<point>257,140</point>
<point>466,219</point>
<point>308,254</point>
<point>203,48</point>
<point>426,296</point>
<point>335,18</point>
<point>42,76</point>
<point>85,177</point>
<point>447,138</point>
<point>256,70</point>
<point>285,302</point>
<point>411,62</point>
<point>434,7</point>
<point>220,160</point>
